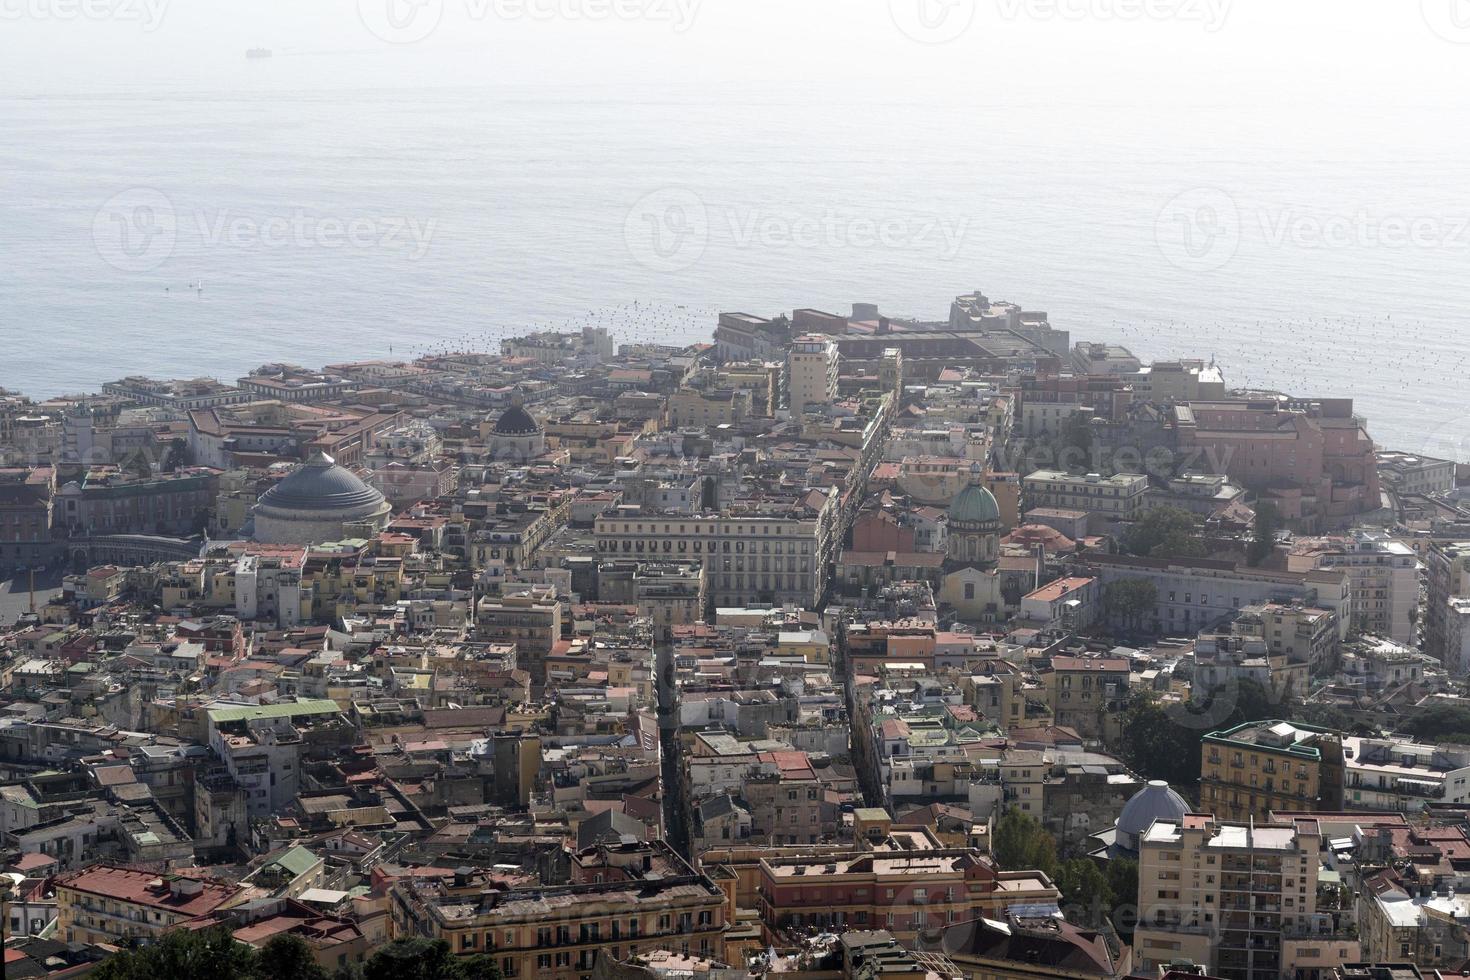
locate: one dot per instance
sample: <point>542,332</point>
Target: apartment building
<point>1409,473</point>
<point>1383,572</point>
<point>707,407</point>
<point>1400,774</point>
<point>1300,633</point>
<point>811,372</point>
<point>771,554</point>
<point>108,903</point>
<point>25,516</point>
<point>1084,692</point>
<point>262,746</point>
<point>624,899</point>
<point>1073,603</point>
<point>905,892</point>
<point>1231,897</point>
<point>529,617</point>
<point>1121,497</point>
<point>1447,576</point>
<point>1250,770</point>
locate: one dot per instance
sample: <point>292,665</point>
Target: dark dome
<point>516,421</point>
<point>320,485</point>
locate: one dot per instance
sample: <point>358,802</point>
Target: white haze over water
<point>1282,185</point>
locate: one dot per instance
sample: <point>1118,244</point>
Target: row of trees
<point>188,954</point>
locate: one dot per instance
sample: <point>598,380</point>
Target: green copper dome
<point>974,505</point>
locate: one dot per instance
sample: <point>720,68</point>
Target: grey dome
<point>1156,801</point>
<point>321,486</point>
<point>516,421</point>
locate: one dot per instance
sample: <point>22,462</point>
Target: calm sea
<point>177,232</point>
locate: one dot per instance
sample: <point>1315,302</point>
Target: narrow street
<point>676,823</point>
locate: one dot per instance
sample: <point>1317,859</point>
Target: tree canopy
<point>1164,532</point>
<point>1022,844</point>
<point>1263,541</point>
<point>186,954</point>
<point>1131,601</point>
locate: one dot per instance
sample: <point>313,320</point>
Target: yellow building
<point>705,407</point>
<point>1255,768</point>
<point>623,900</point>
<point>107,904</point>
<point>813,646</point>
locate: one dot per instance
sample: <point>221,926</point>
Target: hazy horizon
<point>1278,185</point>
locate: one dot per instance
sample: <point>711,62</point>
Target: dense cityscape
<point>836,647</point>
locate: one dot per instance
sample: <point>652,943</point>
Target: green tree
<point>413,959</point>
<point>1263,539</point>
<point>1086,894</point>
<point>182,955</point>
<point>1155,745</point>
<point>479,968</point>
<point>1131,601</point>
<point>1442,723</point>
<point>287,957</point>
<point>1164,532</point>
<point>1179,544</point>
<point>1074,442</point>
<point>1022,844</point>
<point>1122,877</point>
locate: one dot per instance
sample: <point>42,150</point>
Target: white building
<point>1119,497</point>
<point>1384,573</point>
<point>1398,774</point>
